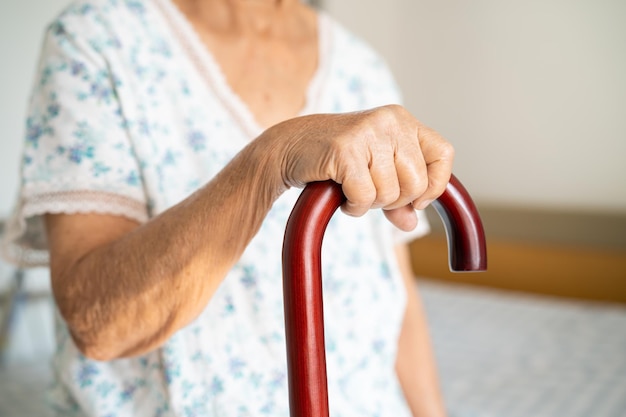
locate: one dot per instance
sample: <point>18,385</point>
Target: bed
<point>511,355</point>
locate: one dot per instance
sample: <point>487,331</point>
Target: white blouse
<point>129,115</point>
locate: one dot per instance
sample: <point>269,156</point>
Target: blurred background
<point>533,96</point>
<point>532,93</point>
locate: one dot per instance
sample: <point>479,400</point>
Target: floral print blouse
<point>129,115</point>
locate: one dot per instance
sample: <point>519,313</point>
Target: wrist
<point>264,157</point>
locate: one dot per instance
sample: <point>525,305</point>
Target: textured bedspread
<point>509,355</point>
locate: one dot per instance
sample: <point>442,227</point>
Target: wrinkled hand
<point>384,158</point>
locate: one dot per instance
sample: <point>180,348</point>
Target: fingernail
<point>423,204</point>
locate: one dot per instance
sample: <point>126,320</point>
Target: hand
<point>384,158</point>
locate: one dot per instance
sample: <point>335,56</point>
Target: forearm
<point>415,364</point>
<point>129,295</point>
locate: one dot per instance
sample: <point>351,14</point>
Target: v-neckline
<point>211,72</point>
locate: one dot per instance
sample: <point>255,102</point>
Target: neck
<point>258,16</point>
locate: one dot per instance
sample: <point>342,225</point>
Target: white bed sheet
<point>503,354</point>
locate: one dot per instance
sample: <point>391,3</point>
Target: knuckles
<point>362,199</point>
<point>447,151</point>
<point>416,188</point>
<point>387,195</point>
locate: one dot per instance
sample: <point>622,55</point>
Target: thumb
<point>404,218</point>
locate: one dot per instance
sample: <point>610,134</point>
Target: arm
<point>415,363</point>
<point>123,289</point>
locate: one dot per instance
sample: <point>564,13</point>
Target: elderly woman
<point>166,142</point>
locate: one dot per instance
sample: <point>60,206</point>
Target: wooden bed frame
<point>568,254</point>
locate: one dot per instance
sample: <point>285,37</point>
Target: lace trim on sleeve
<point>24,242</point>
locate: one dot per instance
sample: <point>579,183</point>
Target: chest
<point>271,77</point>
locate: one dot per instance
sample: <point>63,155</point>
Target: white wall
<point>22,23</point>
<point>532,93</point>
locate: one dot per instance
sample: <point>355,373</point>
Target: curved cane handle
<point>302,280</point>
<point>467,246</point>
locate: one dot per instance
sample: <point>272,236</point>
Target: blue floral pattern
<point>123,120</point>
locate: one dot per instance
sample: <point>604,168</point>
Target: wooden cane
<point>302,280</point>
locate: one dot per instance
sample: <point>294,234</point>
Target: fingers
<point>391,183</point>
<point>438,157</point>
<point>384,177</point>
<point>411,173</point>
<point>384,180</point>
<point>404,218</point>
<point>360,193</point>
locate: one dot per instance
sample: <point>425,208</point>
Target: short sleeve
<point>77,154</point>
<point>361,78</point>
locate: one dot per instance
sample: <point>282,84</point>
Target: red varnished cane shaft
<point>302,280</point>
<point>302,291</point>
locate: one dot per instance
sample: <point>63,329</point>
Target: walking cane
<point>302,280</point>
